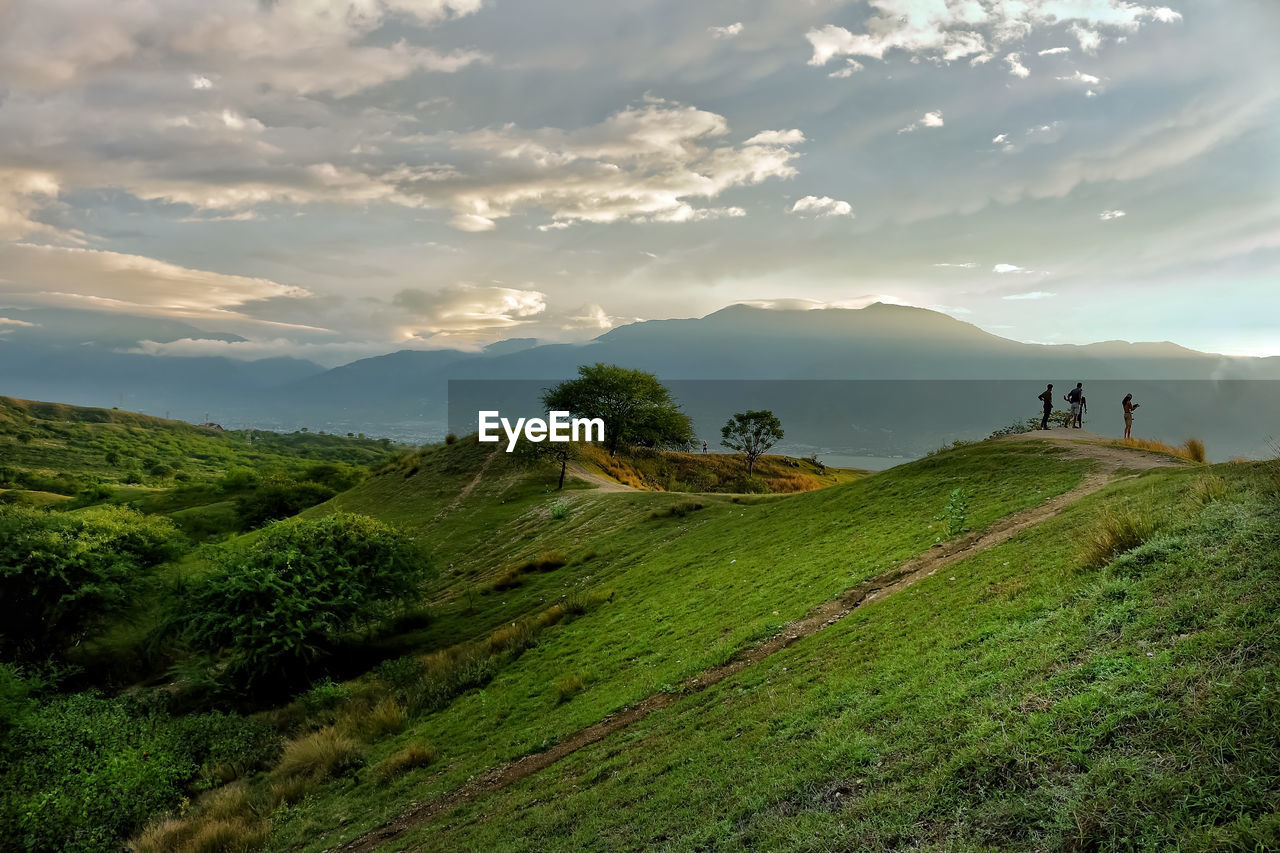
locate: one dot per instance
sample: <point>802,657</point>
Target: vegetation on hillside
<point>210,482</point>
<point>450,610</point>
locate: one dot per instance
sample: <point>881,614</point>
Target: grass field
<point>1103,680</point>
<point>1023,701</point>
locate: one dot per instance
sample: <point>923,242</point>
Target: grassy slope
<point>688,591</point>
<point>1021,701</point>
<point>714,472</point>
<point>58,441</point>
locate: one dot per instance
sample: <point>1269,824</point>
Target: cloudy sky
<point>336,178</point>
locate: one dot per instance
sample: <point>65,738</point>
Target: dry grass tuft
<point>227,836</point>
<point>319,755</point>
<point>387,717</point>
<point>1191,450</point>
<point>232,801</point>
<point>225,821</point>
<point>411,757</point>
<point>566,687</point>
<point>1117,530</point>
<point>517,635</point>
<point>289,791</point>
<point>1209,488</point>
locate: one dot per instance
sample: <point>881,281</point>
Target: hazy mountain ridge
<point>410,386</point>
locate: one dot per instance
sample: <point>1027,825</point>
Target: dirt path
<point>603,483</point>
<point>1110,459</point>
<point>466,490</point>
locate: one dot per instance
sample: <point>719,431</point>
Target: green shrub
<point>279,498</point>
<point>276,609</point>
<point>62,573</point>
<point>84,770</point>
<point>956,512</point>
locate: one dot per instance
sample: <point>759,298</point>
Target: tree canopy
<point>636,408</point>
<point>751,433</point>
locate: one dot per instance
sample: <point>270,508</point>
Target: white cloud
<point>950,30</point>
<point>1054,51</point>
<point>1000,138</point>
<point>111,281</point>
<point>930,119</point>
<point>5,321</point>
<point>1006,268</point>
<point>643,164</point>
<point>592,318</point>
<point>727,32</point>
<point>22,193</point>
<point>465,310</point>
<point>1035,294</point>
<point>822,206</point>
<point>1108,215</point>
<point>301,46</point>
<point>851,67</point>
<point>472,222</point>
<point>1089,39</point>
<point>967,265</point>
<point>776,137</point>
<point>1080,77</point>
<point>1016,68</point>
<point>199,81</point>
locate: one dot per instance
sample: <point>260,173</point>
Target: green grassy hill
<point>1020,644</point>
<point>51,452</point>
<point>1027,698</point>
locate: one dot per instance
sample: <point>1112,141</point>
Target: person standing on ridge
<point>1129,406</point>
<point>1046,397</point>
<point>1076,398</point>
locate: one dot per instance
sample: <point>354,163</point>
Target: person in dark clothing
<point>1076,398</point>
<point>1046,397</point>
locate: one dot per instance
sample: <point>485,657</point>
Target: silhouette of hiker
<point>1046,397</point>
<point>1076,398</point>
<point>1129,406</point>
<point>704,447</point>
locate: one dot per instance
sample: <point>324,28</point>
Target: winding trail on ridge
<point>1110,461</point>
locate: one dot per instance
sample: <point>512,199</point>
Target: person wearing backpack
<point>1076,398</point>
<point>1046,397</point>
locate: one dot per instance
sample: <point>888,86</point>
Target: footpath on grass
<point>1110,460</point>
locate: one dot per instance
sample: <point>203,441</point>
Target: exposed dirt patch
<point>601,482</point>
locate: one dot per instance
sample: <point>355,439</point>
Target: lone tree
<point>636,408</point>
<point>560,452</point>
<point>751,433</point>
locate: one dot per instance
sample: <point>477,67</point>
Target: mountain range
<point>90,358</point>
